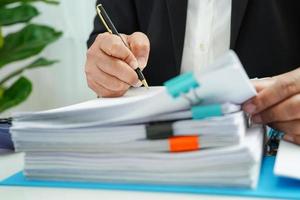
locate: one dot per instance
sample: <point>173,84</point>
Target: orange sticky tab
<point>183,143</point>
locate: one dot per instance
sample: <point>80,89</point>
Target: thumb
<point>140,47</point>
<point>283,87</point>
<point>260,85</point>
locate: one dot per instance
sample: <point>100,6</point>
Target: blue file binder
<point>269,185</point>
<point>5,138</point>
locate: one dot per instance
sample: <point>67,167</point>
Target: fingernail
<point>138,84</point>
<point>142,61</point>
<point>249,108</point>
<point>134,64</point>
<point>257,119</point>
<point>288,138</point>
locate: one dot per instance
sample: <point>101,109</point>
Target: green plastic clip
<point>204,111</point>
<point>181,84</point>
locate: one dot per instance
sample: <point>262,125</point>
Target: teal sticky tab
<point>204,111</point>
<point>181,84</point>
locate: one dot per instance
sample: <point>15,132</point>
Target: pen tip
<point>145,84</point>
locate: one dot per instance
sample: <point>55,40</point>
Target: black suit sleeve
<point>122,13</point>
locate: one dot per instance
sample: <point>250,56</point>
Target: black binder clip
<point>273,140</point>
<point>6,121</point>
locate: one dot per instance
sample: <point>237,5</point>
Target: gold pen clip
<point>102,19</point>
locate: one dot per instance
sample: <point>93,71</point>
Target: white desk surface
<point>12,163</point>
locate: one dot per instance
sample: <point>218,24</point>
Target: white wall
<point>63,83</point>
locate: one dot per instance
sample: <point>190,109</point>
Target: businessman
<point>175,36</point>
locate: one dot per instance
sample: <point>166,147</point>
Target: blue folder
<point>5,138</point>
<point>269,185</point>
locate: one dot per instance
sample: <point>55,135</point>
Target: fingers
<point>284,86</point>
<point>101,91</point>
<point>259,85</point>
<point>278,104</point>
<point>292,138</point>
<point>289,127</point>
<point>116,68</point>
<point>286,110</point>
<point>291,130</point>
<point>108,81</point>
<point>113,46</point>
<point>262,83</point>
<point>104,84</point>
<point>108,76</point>
<point>110,63</point>
<point>140,47</point>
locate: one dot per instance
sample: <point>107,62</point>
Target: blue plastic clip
<point>181,84</point>
<point>204,111</point>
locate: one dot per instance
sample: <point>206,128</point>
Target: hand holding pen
<point>111,65</point>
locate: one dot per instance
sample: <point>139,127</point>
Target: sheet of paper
<point>288,160</point>
<point>227,82</point>
<point>140,103</point>
<point>132,96</point>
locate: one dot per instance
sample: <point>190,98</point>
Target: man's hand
<point>278,104</point>
<point>110,64</point>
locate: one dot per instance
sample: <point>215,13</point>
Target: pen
<point>110,27</point>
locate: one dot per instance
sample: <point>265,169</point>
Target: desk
<point>13,162</point>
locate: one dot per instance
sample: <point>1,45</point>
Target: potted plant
<point>30,40</point>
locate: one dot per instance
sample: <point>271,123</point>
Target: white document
<point>138,103</point>
<point>227,82</point>
<point>288,160</point>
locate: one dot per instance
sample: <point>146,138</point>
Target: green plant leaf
<point>27,42</point>
<point>1,91</point>
<point>1,38</point>
<point>40,62</point>
<point>15,94</point>
<point>19,14</point>
<point>5,2</point>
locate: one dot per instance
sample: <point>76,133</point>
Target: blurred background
<point>62,83</point>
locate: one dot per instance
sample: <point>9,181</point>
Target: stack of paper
<point>189,132</point>
<point>237,165</point>
<point>150,137</point>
